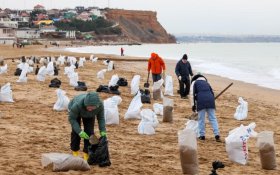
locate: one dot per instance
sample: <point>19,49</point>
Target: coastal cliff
<point>140,26</point>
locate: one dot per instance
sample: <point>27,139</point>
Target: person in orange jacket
<point>157,66</point>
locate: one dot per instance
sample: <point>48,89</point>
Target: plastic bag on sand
<point>168,86</point>
<point>236,143</point>
<point>50,69</point>
<point>110,66</point>
<point>133,111</point>
<point>74,78</point>
<point>114,80</point>
<point>23,77</point>
<point>157,94</point>
<point>241,110</point>
<point>148,122</point>
<point>193,125</point>
<point>167,109</point>
<point>3,69</point>
<point>100,74</point>
<point>6,93</point>
<point>188,151</point>
<point>134,85</point>
<point>265,143</point>
<point>158,109</point>
<point>64,162</point>
<point>41,76</point>
<point>62,101</point>
<point>112,110</point>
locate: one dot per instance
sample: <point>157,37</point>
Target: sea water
<point>257,63</point>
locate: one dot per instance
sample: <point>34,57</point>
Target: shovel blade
<point>146,85</point>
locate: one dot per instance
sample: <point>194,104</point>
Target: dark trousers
<point>184,87</point>
<point>75,138</point>
<point>156,77</point>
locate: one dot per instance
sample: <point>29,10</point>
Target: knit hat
<point>185,57</point>
<point>92,99</point>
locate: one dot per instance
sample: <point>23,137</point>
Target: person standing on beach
<point>85,107</point>
<point>157,66</point>
<point>122,52</point>
<point>183,71</point>
<point>204,102</point>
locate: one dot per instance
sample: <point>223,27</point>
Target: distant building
<point>39,7</point>
<point>71,34</point>
<point>7,35</point>
<point>96,12</point>
<point>47,29</point>
<point>79,9</point>
<point>27,33</point>
<point>6,22</point>
<point>84,16</point>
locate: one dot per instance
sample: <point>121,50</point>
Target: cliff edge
<point>140,26</point>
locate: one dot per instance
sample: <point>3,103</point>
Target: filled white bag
<point>81,62</point>
<point>64,162</point>
<point>148,122</point>
<point>110,66</point>
<point>114,80</point>
<point>193,125</point>
<point>30,62</point>
<point>134,85</point>
<point>69,70</point>
<point>3,69</point>
<point>111,110</point>
<point>168,86</point>
<point>158,108</point>
<point>61,60</point>
<point>50,69</point>
<point>23,77</point>
<point>94,59</point>
<point>6,93</point>
<point>133,111</point>
<point>73,79</point>
<point>236,143</point>
<point>241,110</point>
<point>62,101</point>
<point>157,93</point>
<point>41,76</point>
<point>100,74</point>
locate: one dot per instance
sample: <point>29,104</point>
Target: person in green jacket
<point>85,107</point>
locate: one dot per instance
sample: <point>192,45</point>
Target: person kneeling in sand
<point>85,107</point>
<point>204,102</point>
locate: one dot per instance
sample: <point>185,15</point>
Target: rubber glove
<point>180,78</point>
<point>83,135</point>
<point>103,134</point>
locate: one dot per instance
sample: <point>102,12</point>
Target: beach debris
<point>134,109</point>
<point>216,165</point>
<point>193,125</point>
<point>6,94</point>
<point>265,143</point>
<point>148,122</point>
<point>188,151</point>
<point>241,110</point>
<point>62,101</point>
<point>134,85</point>
<point>158,108</point>
<point>99,154</point>
<point>3,69</point>
<point>167,109</point>
<point>157,94</point>
<point>41,76</point>
<point>111,112</point>
<point>63,162</point>
<point>168,86</point>
<point>101,74</point>
<point>236,143</point>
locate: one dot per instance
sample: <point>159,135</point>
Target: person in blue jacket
<point>183,71</point>
<point>204,102</point>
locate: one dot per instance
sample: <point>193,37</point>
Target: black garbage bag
<point>109,90</point>
<point>55,83</point>
<point>145,96</point>
<point>81,86</point>
<point>122,82</point>
<point>18,72</point>
<point>99,153</point>
<point>103,88</point>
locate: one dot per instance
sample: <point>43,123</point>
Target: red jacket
<point>156,64</point>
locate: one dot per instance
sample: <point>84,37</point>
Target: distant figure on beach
<point>37,70</point>
<point>204,102</point>
<point>85,107</point>
<point>157,66</point>
<point>183,71</point>
<point>122,52</point>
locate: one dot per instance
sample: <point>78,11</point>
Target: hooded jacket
<point>77,108</point>
<point>184,70</point>
<point>156,64</point>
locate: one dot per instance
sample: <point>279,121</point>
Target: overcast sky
<point>232,17</point>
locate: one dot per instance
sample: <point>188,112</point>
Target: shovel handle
<point>148,77</point>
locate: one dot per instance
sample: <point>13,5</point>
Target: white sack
<point>134,85</point>
<point>241,110</point>
<point>133,111</point>
<point>100,74</point>
<point>62,101</point>
<point>6,93</point>
<point>168,86</point>
<point>158,109</point>
<point>41,76</point>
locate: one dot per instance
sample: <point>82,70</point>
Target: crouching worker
<point>204,102</point>
<point>85,108</point>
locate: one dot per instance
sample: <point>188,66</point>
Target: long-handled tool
<point>194,115</point>
<point>147,84</point>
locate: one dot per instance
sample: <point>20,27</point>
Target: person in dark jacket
<point>85,107</point>
<point>183,71</point>
<point>204,102</point>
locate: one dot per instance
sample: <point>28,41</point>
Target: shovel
<point>194,115</point>
<point>147,84</point>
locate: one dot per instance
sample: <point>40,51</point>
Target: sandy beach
<point>30,126</point>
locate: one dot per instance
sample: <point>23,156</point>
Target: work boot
<point>218,139</point>
<point>201,137</point>
<point>85,156</point>
<point>75,153</point>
